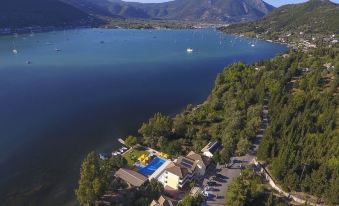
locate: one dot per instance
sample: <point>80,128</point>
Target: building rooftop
<point>197,157</point>
<point>177,170</point>
<point>132,177</point>
<point>187,163</point>
<point>162,201</point>
<point>211,147</point>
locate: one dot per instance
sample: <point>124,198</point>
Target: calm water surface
<point>100,86</point>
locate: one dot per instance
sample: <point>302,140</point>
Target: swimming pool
<point>151,167</point>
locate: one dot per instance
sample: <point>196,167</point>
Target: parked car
<point>206,194</point>
<point>212,183</point>
<point>220,176</point>
<point>217,179</point>
<point>207,188</point>
<point>104,156</point>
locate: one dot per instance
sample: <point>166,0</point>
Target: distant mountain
<point>188,10</point>
<point>314,16</point>
<point>24,13</point>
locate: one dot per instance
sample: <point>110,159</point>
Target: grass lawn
<point>136,152</point>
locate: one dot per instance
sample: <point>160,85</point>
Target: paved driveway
<point>218,192</point>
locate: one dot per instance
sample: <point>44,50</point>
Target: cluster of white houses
<point>175,174</point>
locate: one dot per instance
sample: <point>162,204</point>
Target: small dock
<point>121,141</point>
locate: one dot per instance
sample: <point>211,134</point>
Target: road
<point>217,195</point>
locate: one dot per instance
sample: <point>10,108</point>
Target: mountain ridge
<point>183,10</point>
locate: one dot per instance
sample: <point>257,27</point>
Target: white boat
<point>14,49</point>
<point>252,45</point>
<point>189,50</point>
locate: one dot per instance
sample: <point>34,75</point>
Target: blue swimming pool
<point>151,167</point>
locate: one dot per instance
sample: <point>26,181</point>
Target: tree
<point>244,189</point>
<point>270,200</point>
<point>243,146</point>
<point>154,189</point>
<point>156,127</point>
<point>116,162</point>
<point>90,184</point>
<point>131,141</point>
<point>190,201</point>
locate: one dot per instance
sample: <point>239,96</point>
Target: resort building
<point>211,148</point>
<point>162,201</point>
<point>174,176</point>
<point>183,170</point>
<point>131,177</point>
<point>202,162</point>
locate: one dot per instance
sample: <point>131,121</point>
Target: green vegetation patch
<point>132,155</point>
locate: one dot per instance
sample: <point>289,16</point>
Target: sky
<point>272,2</point>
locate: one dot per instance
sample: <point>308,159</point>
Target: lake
<point>67,93</point>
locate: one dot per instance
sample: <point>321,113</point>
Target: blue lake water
<point>100,86</point>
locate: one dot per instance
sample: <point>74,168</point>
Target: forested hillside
<point>314,17</point>
<point>24,13</point>
<point>301,144</point>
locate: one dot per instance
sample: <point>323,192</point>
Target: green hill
<point>313,17</point>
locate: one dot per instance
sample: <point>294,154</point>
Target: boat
<point>56,49</point>
<point>14,49</point>
<point>28,62</point>
<point>103,156</point>
<point>252,45</point>
<point>189,50</point>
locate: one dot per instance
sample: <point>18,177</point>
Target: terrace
<point>144,161</point>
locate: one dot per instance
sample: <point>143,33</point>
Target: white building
<point>211,148</point>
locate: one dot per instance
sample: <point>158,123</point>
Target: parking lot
<point>218,186</point>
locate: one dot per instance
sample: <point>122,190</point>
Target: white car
<point>206,194</point>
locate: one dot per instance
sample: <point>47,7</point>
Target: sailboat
<point>15,51</point>
<point>189,50</point>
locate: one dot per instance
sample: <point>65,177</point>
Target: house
<point>183,170</point>
<point>162,201</point>
<point>175,176</point>
<point>202,162</point>
<point>131,177</point>
<point>211,148</point>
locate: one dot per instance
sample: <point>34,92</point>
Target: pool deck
<point>159,171</point>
